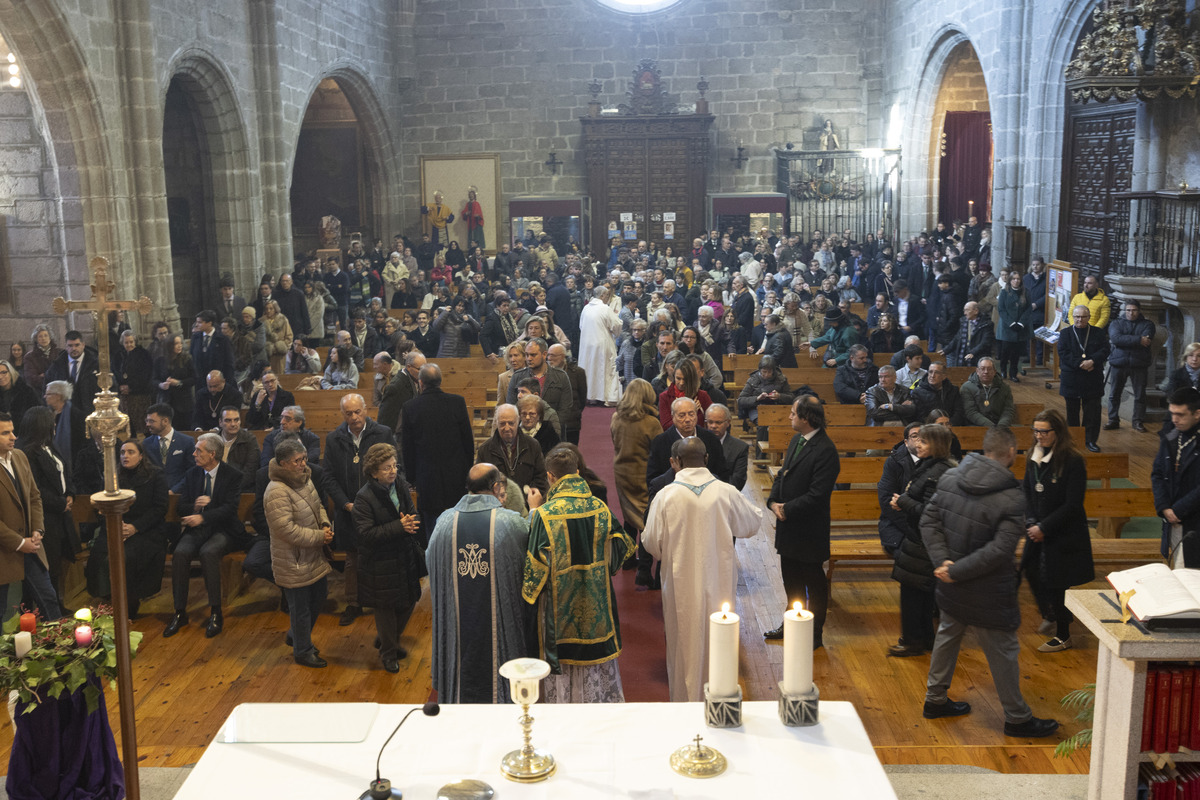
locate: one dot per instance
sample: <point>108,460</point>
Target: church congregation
<point>451,334</point>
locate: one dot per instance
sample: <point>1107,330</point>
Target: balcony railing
<point>1157,234</point>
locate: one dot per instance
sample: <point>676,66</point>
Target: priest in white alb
<point>599,326</point>
<point>691,526</point>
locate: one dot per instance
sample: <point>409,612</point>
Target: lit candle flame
<point>797,607</point>
<point>724,610</point>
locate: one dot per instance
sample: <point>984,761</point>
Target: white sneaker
<point>1055,645</point>
<point>1047,628</point>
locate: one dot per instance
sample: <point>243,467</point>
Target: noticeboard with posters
<point>1062,282</point>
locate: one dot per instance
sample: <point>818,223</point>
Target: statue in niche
<point>828,141</point>
<point>472,214</point>
<point>331,233</point>
<point>439,216</point>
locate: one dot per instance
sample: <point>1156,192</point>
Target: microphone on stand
<point>381,788</point>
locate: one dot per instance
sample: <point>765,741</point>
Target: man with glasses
<point>1082,352</point>
<point>291,421</point>
<point>268,404</point>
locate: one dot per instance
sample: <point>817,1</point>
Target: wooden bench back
<point>855,505</point>
<point>1100,466</point>
<point>858,439</point>
<point>837,414</point>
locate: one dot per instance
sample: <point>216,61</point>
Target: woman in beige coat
<point>279,335</point>
<point>633,428</point>
<point>299,530</point>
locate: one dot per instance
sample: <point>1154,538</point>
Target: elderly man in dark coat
<point>1082,353</point>
<point>515,453</point>
<point>971,528</point>
<point>435,430</point>
<point>345,448</point>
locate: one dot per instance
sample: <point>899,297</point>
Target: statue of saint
<point>439,216</point>
<point>473,214</point>
<point>829,141</point>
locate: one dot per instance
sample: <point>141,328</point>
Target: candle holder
<point>799,710</point>
<point>527,765</point>
<point>723,712</point>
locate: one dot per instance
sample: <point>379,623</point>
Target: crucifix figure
<point>108,421</point>
<point>102,287</point>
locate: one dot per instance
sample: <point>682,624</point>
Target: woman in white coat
<point>598,329</point>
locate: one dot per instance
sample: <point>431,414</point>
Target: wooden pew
<point>1100,466</point>
<point>838,414</point>
<point>860,439</point>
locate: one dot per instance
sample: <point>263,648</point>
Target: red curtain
<point>966,167</point>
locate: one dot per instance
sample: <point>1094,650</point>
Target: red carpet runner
<point>644,655</point>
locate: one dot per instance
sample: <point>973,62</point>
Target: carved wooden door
<point>647,168</point>
<point>1097,162</point>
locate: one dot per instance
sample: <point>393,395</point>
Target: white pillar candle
<point>23,641</point>
<point>723,631</point>
<point>797,651</point>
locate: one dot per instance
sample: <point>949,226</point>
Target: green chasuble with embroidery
<point>575,546</point>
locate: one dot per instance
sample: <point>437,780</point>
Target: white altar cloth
<point>603,751</point>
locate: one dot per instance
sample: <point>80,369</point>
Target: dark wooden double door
<point>1097,163</point>
<point>648,168</point>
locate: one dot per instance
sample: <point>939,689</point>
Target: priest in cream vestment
<point>691,526</point>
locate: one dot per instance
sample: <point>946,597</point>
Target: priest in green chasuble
<point>575,546</point>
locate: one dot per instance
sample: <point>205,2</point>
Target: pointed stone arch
<point>81,181</point>
<point>920,168</point>
<point>234,202</point>
<point>382,171</point>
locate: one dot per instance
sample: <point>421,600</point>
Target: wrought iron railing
<point>835,190</point>
<point>1157,234</point>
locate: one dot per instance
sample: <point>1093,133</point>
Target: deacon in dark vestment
<point>476,560</point>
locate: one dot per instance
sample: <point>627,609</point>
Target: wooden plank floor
<point>187,685</point>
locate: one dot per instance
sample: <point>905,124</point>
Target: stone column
<point>145,200</point>
<point>276,203</point>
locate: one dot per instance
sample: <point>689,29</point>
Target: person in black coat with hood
<point>16,396</point>
<point>392,560</point>
<point>913,568</point>
<point>1058,550</point>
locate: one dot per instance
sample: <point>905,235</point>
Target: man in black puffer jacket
<point>897,470</point>
<point>971,528</point>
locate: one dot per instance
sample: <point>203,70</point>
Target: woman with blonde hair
<point>514,359</point>
<point>279,335</point>
<point>634,426</point>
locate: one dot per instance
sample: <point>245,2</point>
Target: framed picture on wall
<point>456,177</point>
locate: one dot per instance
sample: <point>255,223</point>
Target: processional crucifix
<point>108,421</point>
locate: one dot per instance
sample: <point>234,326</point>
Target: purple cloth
<point>60,752</point>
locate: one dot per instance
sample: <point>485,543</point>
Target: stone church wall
<point>498,76</point>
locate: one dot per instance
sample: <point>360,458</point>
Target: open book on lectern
<point>1164,597</point>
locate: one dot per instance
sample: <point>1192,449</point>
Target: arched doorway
<point>188,172</point>
<point>331,174</point>
<point>961,146</point>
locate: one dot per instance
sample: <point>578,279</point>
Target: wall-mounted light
<point>14,71</point>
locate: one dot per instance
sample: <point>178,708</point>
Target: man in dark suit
<point>268,404</point>
<point>400,390</point>
<point>210,349</point>
<point>167,448</point>
<point>439,448</point>
<point>77,365</point>
<point>217,394</point>
<point>684,418</point>
<point>737,453</point>
<point>22,557</point>
<point>231,305</point>
<point>1175,478</point>
<point>345,449</point>
<point>799,500</point>
<point>209,495</point>
<point>293,306</point>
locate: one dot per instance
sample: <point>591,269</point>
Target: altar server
<point>691,526</point>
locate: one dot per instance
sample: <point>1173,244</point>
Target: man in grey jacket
<point>971,528</point>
